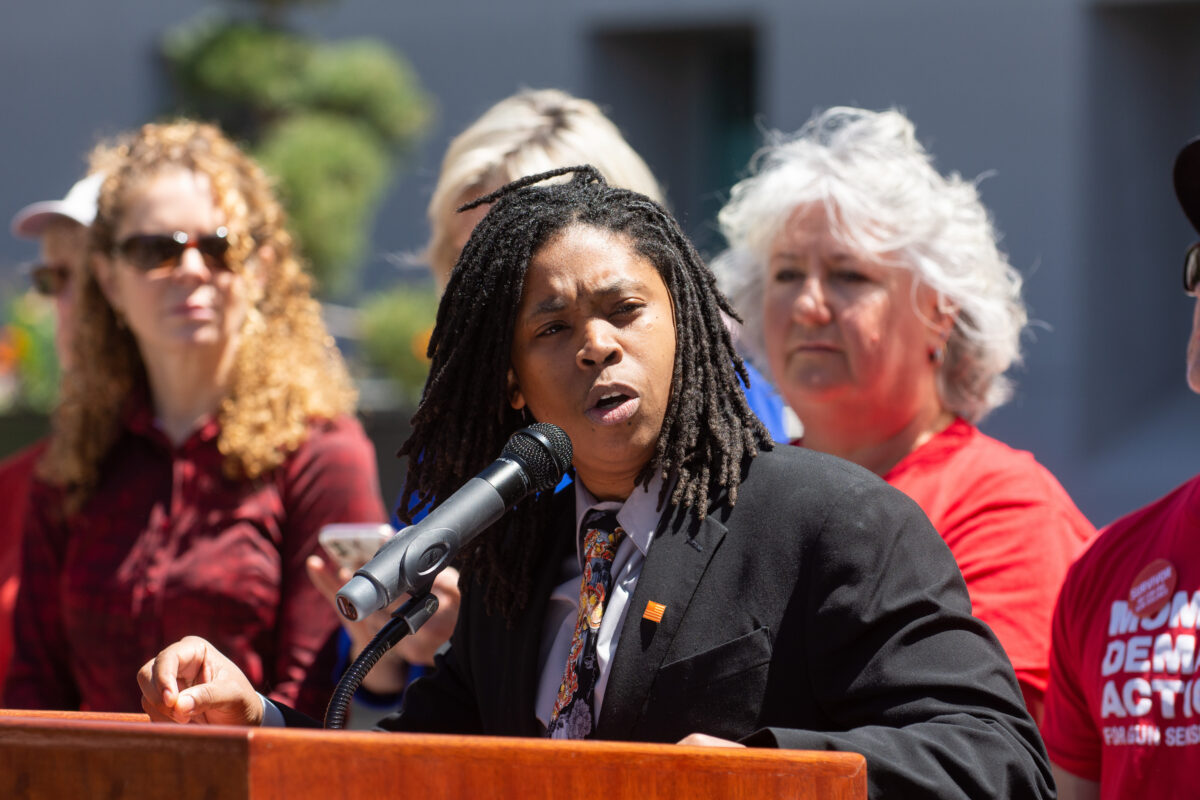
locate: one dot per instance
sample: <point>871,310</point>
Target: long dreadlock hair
<point>465,417</point>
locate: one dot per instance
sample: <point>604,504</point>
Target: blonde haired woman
<point>532,131</point>
<point>201,442</point>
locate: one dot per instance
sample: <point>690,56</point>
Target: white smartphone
<point>352,544</point>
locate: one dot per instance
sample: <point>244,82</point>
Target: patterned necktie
<point>572,715</point>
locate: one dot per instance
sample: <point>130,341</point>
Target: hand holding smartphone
<point>352,544</point>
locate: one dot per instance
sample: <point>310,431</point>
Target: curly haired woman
<point>204,439</point>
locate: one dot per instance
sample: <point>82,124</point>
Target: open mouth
<point>613,407</point>
<point>611,401</point>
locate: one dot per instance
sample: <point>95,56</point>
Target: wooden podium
<point>111,756</point>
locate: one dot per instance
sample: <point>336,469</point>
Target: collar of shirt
<point>638,515</point>
<point>139,419</point>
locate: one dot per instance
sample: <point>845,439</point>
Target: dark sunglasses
<point>50,279</point>
<point>150,251</point>
<point>1191,269</point>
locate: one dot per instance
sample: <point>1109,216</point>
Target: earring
<point>524,415</point>
<point>937,355</point>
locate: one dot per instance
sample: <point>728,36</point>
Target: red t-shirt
<point>1012,529</point>
<point>1124,701</point>
<point>168,546</point>
<point>16,479</point>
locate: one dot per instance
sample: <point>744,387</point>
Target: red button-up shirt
<point>167,546</point>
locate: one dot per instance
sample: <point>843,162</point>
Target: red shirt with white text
<point>1124,701</point>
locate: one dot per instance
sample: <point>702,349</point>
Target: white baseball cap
<point>79,205</point>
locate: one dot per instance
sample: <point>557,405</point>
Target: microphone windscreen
<point>544,450</point>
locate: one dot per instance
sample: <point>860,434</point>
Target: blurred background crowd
<point>950,232</point>
<point>1068,112</point>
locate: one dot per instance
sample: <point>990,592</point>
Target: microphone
<point>534,460</point>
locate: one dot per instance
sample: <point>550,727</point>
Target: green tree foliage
<point>329,175</point>
<point>330,120</point>
<point>28,365</point>
<point>396,329</point>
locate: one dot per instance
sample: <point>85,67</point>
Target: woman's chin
<point>815,393</point>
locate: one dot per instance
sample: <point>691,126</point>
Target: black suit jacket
<point>822,612</point>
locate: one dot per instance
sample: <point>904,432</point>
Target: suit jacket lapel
<point>678,557</point>
<point>524,639</point>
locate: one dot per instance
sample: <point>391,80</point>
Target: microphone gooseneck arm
<point>407,619</point>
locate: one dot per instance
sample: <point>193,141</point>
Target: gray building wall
<point>1072,109</point>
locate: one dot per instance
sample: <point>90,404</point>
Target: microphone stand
<point>408,618</point>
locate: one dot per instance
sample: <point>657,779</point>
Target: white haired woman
<point>874,291</point>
